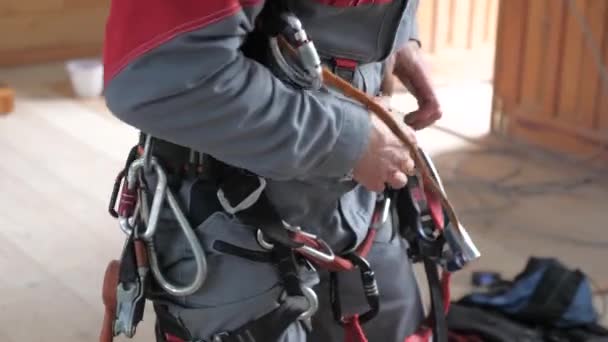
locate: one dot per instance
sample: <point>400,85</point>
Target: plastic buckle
<point>246,203</point>
<point>345,68</point>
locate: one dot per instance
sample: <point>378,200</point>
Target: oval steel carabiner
<point>162,193</point>
<point>195,246</point>
<point>158,199</point>
<point>313,302</point>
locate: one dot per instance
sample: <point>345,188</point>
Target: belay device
<point>435,242</point>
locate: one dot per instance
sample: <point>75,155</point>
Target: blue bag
<point>546,293</point>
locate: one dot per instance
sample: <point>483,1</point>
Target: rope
<point>347,89</point>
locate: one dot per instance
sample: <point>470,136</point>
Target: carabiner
<point>378,221</point>
<point>313,303</point>
<point>321,251</point>
<point>370,290</point>
<point>151,217</point>
<point>161,193</point>
<point>147,152</point>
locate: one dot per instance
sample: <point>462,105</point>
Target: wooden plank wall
<point>459,37</point>
<point>548,84</point>
<point>457,24</point>
<point>41,30</point>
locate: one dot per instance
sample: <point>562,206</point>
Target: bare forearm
<point>409,69</point>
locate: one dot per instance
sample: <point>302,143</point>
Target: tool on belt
<point>426,220</point>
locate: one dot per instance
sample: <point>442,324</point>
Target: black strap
<point>440,328</point>
<point>166,323</point>
<point>270,327</point>
<point>553,295</point>
<point>228,248</point>
<point>237,184</point>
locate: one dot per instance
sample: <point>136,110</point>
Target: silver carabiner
<point>313,303</point>
<point>195,246</point>
<point>162,193</point>
<point>326,254</point>
<point>159,193</point>
<point>147,152</point>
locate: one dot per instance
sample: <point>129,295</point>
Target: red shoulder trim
<point>134,27</point>
<point>352,3</point>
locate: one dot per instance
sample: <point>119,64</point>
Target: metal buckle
<point>127,298</point>
<point>245,203</point>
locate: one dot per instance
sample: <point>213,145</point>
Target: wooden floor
<point>59,157</point>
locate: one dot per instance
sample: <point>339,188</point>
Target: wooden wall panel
<point>572,51</point>
<point>459,38</point>
<point>548,86</point>
<point>461,22</point>
<point>43,30</point>
<point>590,80</point>
<point>457,24</point>
<point>552,39</point>
<point>531,69</point>
<point>601,112</point>
<point>507,71</point>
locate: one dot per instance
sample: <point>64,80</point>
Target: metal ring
<point>262,242</point>
<point>425,236</point>
<point>313,302</point>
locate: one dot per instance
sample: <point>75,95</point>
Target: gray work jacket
<point>178,73</point>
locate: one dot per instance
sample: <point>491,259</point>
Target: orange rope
<point>347,89</point>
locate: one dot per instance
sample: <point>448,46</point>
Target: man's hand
<point>410,69</point>
<point>428,112</point>
<point>386,160</point>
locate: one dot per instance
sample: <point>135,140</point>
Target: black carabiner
<point>370,289</point>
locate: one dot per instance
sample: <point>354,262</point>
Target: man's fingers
<point>397,179</point>
<point>411,118</point>
<point>422,117</point>
<point>410,167</point>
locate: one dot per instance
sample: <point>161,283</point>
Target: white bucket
<point>86,76</point>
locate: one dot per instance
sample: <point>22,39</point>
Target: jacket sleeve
<point>199,90</point>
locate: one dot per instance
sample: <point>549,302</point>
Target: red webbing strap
<point>353,332</point>
<point>346,63</point>
<point>352,3</point>
<point>171,338</point>
<point>435,207</point>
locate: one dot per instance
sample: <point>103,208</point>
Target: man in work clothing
<point>178,71</point>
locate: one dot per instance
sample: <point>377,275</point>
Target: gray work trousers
<point>238,290</point>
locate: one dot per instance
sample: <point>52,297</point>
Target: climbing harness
<point>425,218</point>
